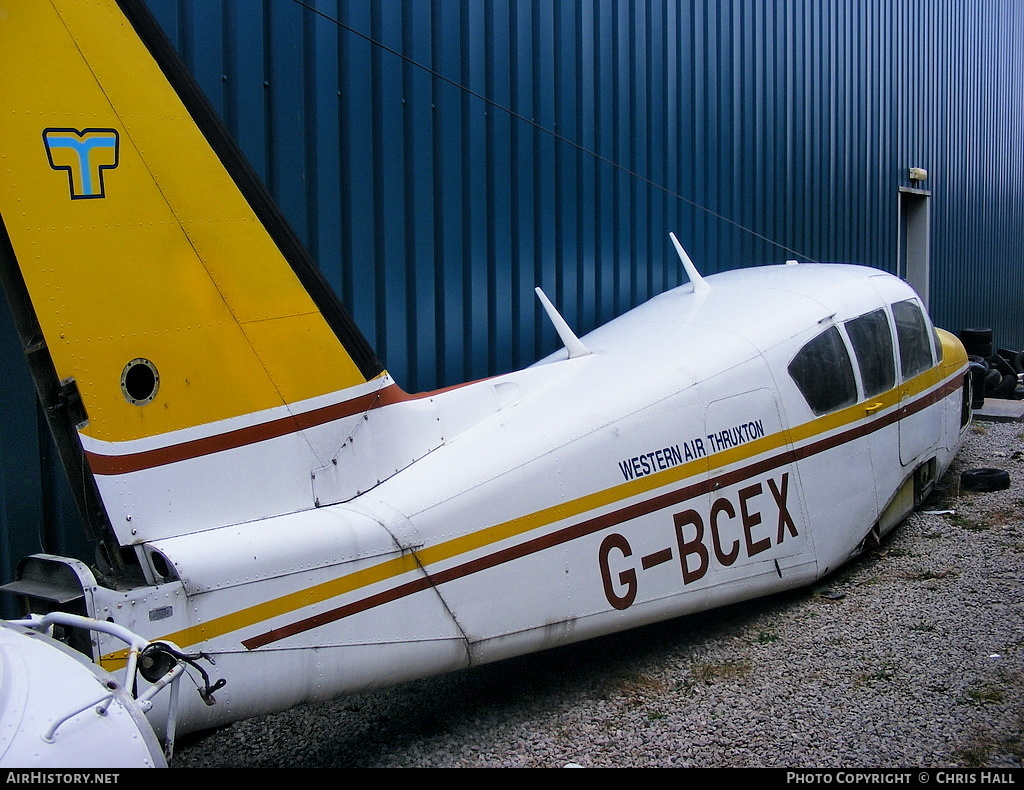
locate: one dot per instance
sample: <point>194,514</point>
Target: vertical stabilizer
<point>174,305</point>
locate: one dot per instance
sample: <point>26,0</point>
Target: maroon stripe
<point>414,586</point>
<point>601,522</point>
<point>101,464</point>
<point>147,459</point>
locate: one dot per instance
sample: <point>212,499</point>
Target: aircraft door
<point>836,474</point>
<point>917,427</point>
<point>873,344</point>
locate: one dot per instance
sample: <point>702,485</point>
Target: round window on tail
<point>139,382</point>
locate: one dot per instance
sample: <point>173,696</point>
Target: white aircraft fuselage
<point>675,468</point>
<point>261,491</point>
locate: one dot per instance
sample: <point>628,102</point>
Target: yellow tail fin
<point>165,283</point>
<point>167,311</point>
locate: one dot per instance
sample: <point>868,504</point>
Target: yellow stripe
<point>393,568</point>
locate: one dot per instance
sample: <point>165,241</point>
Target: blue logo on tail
<point>84,155</point>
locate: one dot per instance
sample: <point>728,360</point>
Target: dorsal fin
<point>699,284</point>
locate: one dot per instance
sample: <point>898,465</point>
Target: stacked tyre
<point>995,374</point>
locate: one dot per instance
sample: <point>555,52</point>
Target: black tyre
<point>998,362</point>
<point>977,372</point>
<point>1006,387</point>
<point>975,337</point>
<point>985,480</point>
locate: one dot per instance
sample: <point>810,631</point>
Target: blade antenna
<point>699,284</point>
<point>572,343</point>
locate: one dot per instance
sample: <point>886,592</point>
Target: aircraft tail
<point>170,313</point>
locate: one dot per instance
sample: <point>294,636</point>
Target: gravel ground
<point>913,655</point>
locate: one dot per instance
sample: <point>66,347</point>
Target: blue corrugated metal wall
<point>442,157</point>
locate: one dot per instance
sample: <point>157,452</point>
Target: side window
<point>913,337</point>
<point>872,345</point>
<point>823,372</point>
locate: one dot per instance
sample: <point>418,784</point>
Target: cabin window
<point>871,338</point>
<point>824,374</point>
<point>913,337</point>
